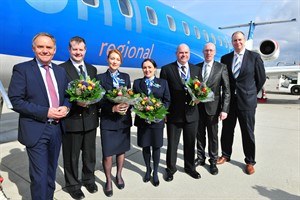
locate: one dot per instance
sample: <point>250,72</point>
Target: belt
<point>53,122</point>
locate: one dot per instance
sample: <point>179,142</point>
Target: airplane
<point>139,29</point>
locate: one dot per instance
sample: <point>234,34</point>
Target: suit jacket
<point>28,95</point>
<point>250,80</point>
<point>161,92</point>
<point>218,80</point>
<point>81,118</point>
<point>180,110</point>
<point>108,119</point>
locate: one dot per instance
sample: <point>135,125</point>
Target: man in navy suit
<point>215,76</point>
<point>182,116</point>
<point>247,76</point>
<point>42,106</point>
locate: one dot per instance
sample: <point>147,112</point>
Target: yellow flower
<point>80,85</point>
<point>153,100</point>
<point>151,108</point>
<point>90,87</point>
<point>143,102</point>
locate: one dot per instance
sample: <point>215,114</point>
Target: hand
<point>223,116</point>
<point>57,113</point>
<point>120,108</point>
<point>82,104</point>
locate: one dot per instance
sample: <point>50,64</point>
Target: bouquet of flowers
<point>122,95</point>
<point>150,108</point>
<point>199,91</point>
<point>85,91</point>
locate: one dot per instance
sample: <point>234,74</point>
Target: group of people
<point>48,119</point>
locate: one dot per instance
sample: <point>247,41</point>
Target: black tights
<point>155,157</point>
<point>107,165</point>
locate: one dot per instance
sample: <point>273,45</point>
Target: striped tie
<point>205,77</point>
<point>81,71</point>
<point>236,66</point>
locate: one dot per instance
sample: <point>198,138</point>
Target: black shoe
<point>156,183</point>
<point>169,175</point>
<point>147,176</point>
<point>77,194</point>
<point>108,193</point>
<point>155,180</point>
<point>198,161</point>
<point>213,169</point>
<point>92,187</point>
<point>120,185</point>
<point>194,174</point>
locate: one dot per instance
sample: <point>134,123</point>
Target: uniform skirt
<point>115,141</point>
<point>150,137</point>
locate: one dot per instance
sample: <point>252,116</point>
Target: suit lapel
<point>38,75</point>
<point>143,86</point>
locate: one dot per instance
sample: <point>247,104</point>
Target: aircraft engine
<point>269,50</point>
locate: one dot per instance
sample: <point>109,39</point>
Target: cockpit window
<point>186,28</point>
<point>197,32</point>
<point>152,17</point>
<point>171,23</point>
<point>93,3</point>
<point>125,8</point>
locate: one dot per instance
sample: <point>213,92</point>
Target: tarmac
<point>276,177</point>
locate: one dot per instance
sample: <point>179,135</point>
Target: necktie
<point>51,88</point>
<point>205,77</point>
<point>237,66</point>
<point>183,74</point>
<point>81,71</point>
<point>149,84</point>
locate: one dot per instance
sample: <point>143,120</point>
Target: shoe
<point>198,161</point>
<point>193,174</point>
<point>120,185</point>
<point>249,169</point>
<point>108,193</point>
<point>92,188</point>
<point>169,175</point>
<point>147,176</point>
<point>213,169</point>
<point>222,160</point>
<point>155,180</point>
<point>77,194</point>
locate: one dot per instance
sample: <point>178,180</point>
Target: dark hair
<point>150,60</point>
<point>44,34</point>
<point>76,39</point>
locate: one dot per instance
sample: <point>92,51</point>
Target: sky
<point>218,13</point>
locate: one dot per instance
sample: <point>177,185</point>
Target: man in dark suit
<point>37,93</point>
<point>215,76</point>
<point>247,76</point>
<point>81,126</point>
<point>182,116</point>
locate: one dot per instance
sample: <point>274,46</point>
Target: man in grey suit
<point>182,116</point>
<point>215,76</point>
<point>81,125</point>
<point>247,76</point>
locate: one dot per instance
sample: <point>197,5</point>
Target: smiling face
<point>183,54</point>
<point>114,61</point>
<point>77,51</point>
<point>238,41</point>
<point>148,69</point>
<point>209,52</point>
<point>44,49</point>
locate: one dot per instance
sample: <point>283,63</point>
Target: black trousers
<point>247,122</point>
<point>207,123</point>
<point>189,136</point>
<point>72,144</point>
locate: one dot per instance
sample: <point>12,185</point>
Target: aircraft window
<point>171,23</point>
<point>206,35</point>
<point>213,38</point>
<point>93,3</point>
<point>197,32</point>
<point>225,41</point>
<point>220,41</point>
<point>152,17</point>
<point>186,28</point>
<point>125,8</point>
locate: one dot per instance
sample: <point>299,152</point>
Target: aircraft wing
<point>274,70</point>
